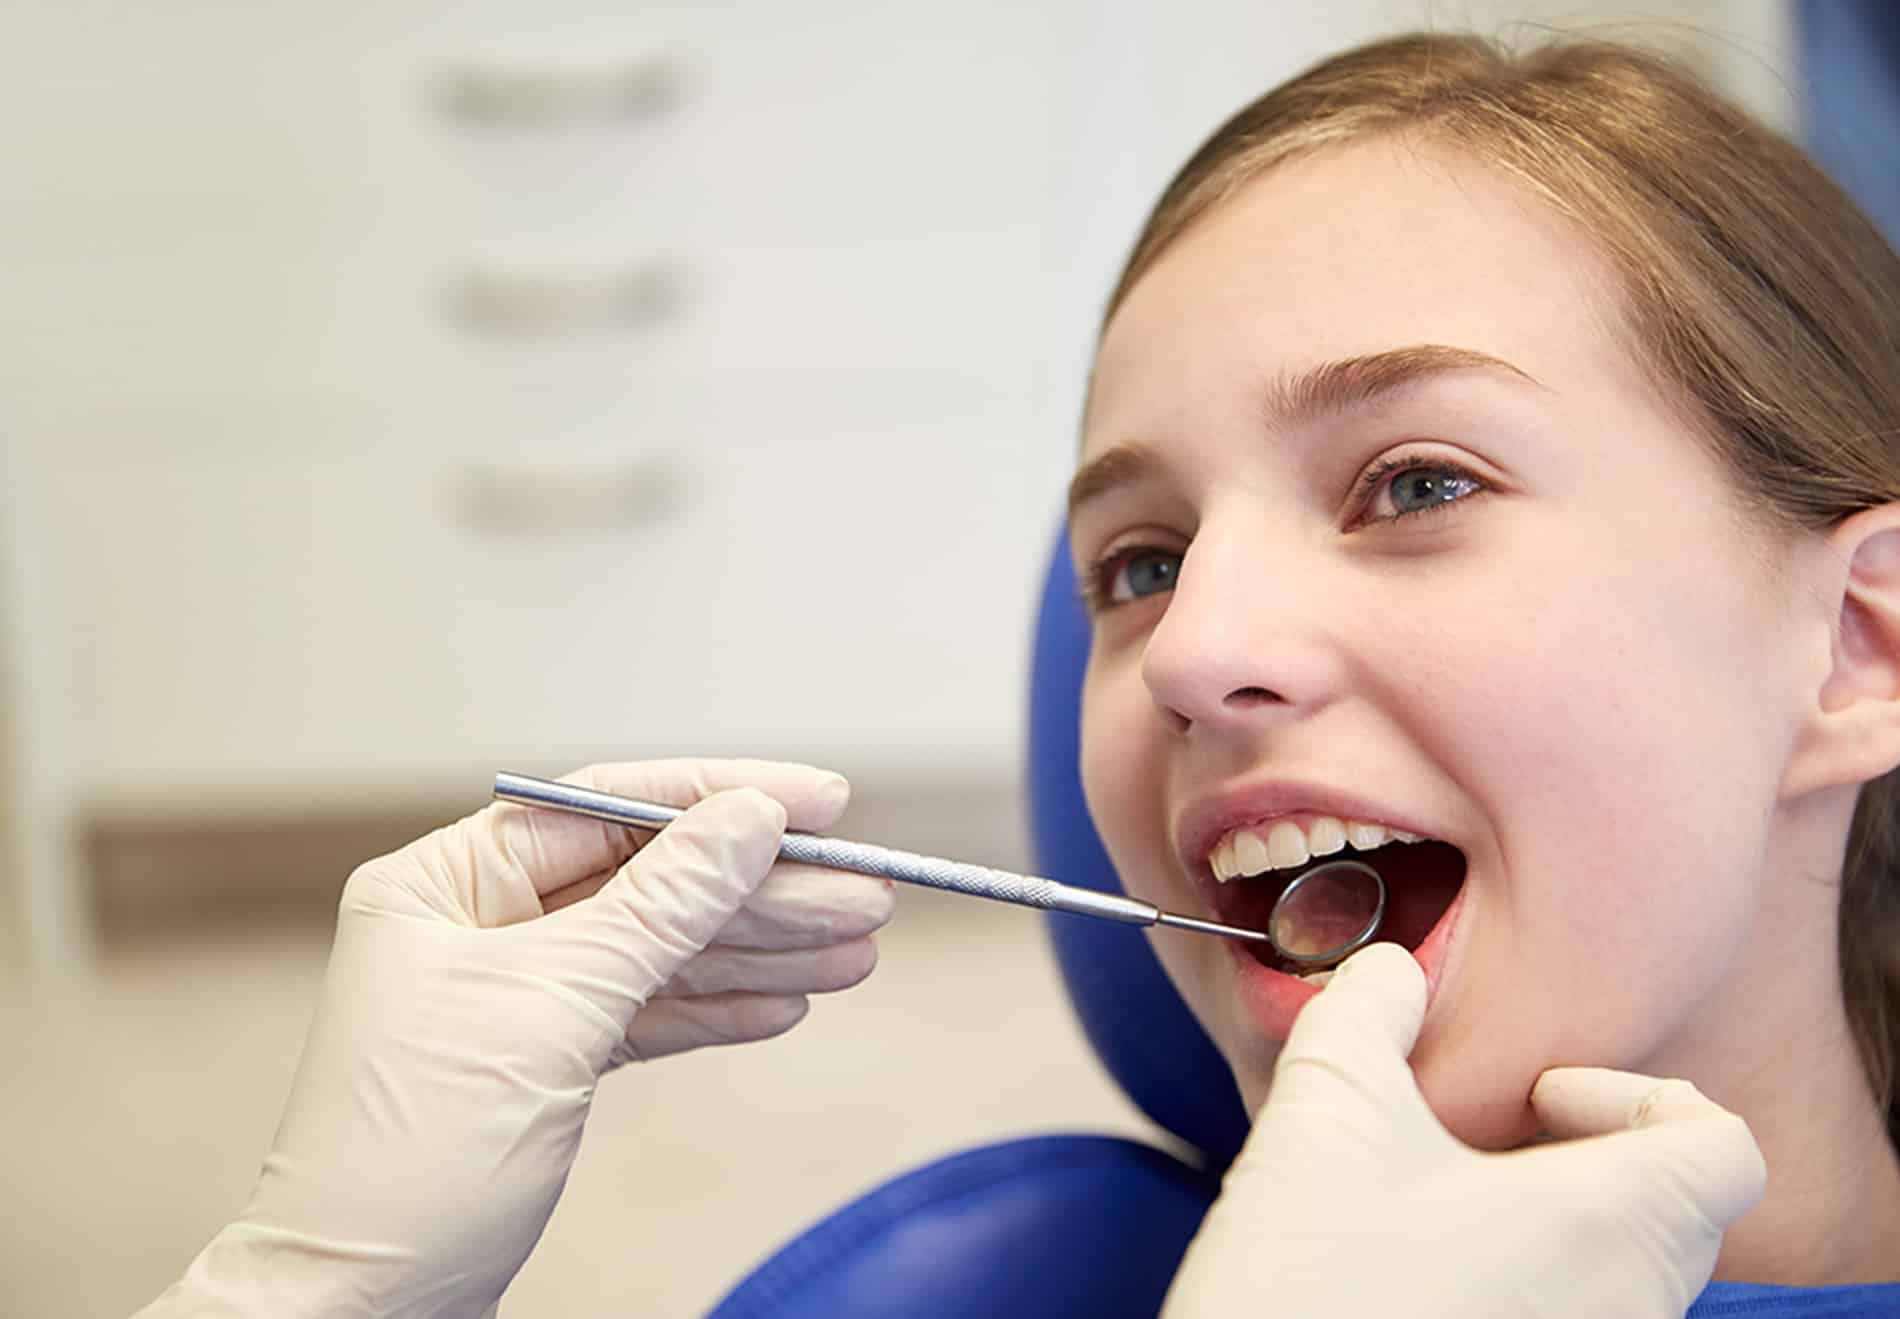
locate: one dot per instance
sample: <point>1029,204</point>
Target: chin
<point>1494,1117</point>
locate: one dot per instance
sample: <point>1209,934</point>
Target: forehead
<point>1354,250</point>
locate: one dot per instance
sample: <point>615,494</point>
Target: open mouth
<point>1422,880</point>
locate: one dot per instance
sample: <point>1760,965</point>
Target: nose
<point>1245,642</point>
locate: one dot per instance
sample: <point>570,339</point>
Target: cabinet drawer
<point>279,197</point>
<point>768,574</point>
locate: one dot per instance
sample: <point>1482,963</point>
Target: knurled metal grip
<point>935,872</point>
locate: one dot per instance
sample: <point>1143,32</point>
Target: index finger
<point>1665,1126</point>
<point>554,849</point>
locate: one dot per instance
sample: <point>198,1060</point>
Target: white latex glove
<point>481,981</point>
<point>1350,1199</point>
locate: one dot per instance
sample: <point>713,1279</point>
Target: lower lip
<point>1274,1000</point>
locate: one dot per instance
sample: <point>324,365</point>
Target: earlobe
<point>1853,733</point>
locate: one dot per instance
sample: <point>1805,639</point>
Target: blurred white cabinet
<point>393,393</point>
<point>299,620</point>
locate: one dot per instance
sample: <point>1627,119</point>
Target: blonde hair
<point>1753,289</point>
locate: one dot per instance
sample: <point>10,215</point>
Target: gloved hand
<point>1350,1200</point>
<point>481,981</point>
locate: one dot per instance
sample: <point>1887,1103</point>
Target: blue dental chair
<point>1083,1225</point>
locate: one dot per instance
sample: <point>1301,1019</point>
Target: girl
<point>1491,467</point>
<point>1504,453</point>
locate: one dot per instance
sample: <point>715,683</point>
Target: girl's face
<point>1540,637</point>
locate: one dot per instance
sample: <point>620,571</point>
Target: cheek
<point>1602,731</point>
<point>1122,772</point>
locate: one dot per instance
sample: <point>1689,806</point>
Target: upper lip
<point>1207,819</point>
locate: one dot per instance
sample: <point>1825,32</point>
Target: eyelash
<point>1097,581</point>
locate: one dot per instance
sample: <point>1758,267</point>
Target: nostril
<point>1245,696</point>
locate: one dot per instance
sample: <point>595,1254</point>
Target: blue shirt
<point>1720,1300</point>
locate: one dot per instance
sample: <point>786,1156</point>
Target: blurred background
<point>395,393</point>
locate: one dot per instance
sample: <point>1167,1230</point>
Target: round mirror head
<point>1329,912</point>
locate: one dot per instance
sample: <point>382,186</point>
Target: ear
<point>1852,734</point>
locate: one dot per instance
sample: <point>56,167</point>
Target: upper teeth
<point>1285,843</point>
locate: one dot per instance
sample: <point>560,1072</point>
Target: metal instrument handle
<point>839,854</point>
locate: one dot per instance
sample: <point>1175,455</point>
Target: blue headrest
<point>1141,1030</point>
<point>1048,1225</point>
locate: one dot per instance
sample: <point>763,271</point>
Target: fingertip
<point>1377,993</point>
<point>1672,1098</point>
<point>775,1014</point>
<point>814,799</point>
<point>746,817</point>
<point>1386,974</point>
<point>1381,961</point>
<point>1575,1102</point>
<point>853,905</point>
<point>860,960</point>
<point>757,799</point>
<point>820,807</point>
<point>882,905</point>
<point>841,966</point>
<point>1754,1181</point>
<point>1566,1107</point>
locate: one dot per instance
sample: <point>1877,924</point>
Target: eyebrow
<point>1325,390</point>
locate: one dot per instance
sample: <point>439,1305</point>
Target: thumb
<point>674,895</point>
<point>1359,1030</point>
<point>1343,1094</point>
<point>1665,1129</point>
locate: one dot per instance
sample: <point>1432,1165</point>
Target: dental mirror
<point>1328,913</point>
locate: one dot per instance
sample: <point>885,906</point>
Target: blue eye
<point>1420,485</point>
<point>1131,574</point>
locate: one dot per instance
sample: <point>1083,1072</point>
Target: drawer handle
<point>490,301</point>
<point>638,89</point>
<point>526,499</point>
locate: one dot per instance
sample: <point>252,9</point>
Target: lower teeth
<point>1319,977</point>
